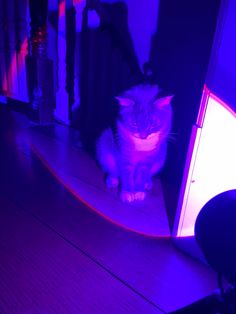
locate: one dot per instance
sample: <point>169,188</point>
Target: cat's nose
<point>143,135</point>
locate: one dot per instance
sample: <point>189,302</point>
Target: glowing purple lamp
<point>211,161</point>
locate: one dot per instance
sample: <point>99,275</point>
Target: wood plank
<point>41,273</point>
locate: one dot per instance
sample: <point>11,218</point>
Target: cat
<point>135,150</point>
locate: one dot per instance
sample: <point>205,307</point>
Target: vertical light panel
<point>212,166</point>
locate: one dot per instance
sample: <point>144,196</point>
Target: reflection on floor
<point>59,255</point>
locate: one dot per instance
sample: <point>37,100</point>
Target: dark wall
<point>221,78</point>
<point>180,56</point>
<point>108,66</point>
<point>38,13</point>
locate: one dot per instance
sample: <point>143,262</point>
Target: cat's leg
<point>112,181</point>
<point>142,178</point>
<point>127,193</point>
<point>154,169</point>
<point>111,170</point>
<point>107,159</point>
<point>159,161</point>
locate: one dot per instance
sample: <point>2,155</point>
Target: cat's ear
<point>163,102</point>
<point>125,102</point>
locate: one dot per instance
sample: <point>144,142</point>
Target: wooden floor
<point>80,174</point>
<point>59,256</point>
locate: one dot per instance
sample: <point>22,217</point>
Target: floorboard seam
<point>86,254</point>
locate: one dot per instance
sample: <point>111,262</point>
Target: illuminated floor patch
<point>80,174</point>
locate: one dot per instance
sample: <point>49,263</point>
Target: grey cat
<point>136,150</point>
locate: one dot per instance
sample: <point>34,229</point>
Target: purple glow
<point>210,167</point>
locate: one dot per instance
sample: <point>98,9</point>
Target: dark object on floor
<point>214,304</point>
<point>215,232</point>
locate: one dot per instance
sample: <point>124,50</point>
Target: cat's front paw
<point>139,196</point>
<point>127,197</point>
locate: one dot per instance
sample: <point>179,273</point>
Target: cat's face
<point>143,114</point>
